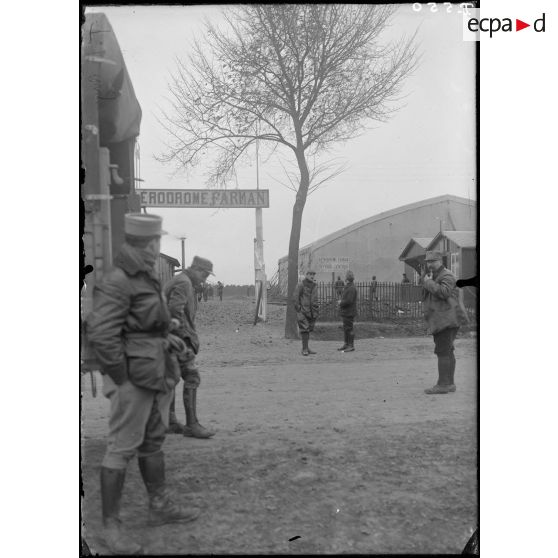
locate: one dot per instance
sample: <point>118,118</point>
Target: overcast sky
<point>427,149</point>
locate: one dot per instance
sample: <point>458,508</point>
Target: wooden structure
<point>166,267</point>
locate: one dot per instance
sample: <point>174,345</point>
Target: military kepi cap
<point>143,224</point>
<point>433,255</point>
<point>203,265</point>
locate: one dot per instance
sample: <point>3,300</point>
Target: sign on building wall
<point>204,198</point>
<point>333,264</point>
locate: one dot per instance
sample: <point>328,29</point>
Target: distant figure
<point>373,288</point>
<point>210,291</point>
<point>199,291</point>
<point>405,280</point>
<point>339,285</point>
<point>220,290</point>
<point>347,311</point>
<point>306,306</point>
<point>205,290</point>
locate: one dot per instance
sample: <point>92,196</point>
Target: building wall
<point>411,274</point>
<point>164,269</point>
<point>374,247</point>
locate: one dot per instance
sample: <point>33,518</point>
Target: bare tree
<point>299,78</point>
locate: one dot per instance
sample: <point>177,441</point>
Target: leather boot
<point>193,428</point>
<point>175,427</point>
<point>112,483</point>
<point>161,508</point>
<point>442,387</point>
<point>451,380</point>
<point>345,342</point>
<point>305,337</point>
<point>350,343</point>
<point>310,351</point>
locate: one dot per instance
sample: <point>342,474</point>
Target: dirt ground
<point>343,451</point>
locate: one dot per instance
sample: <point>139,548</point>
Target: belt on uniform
<point>144,334</point>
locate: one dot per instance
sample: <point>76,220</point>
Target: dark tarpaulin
<point>119,109</point>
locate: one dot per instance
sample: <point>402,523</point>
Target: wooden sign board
<point>204,198</point>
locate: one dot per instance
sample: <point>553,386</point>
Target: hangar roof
<point>379,217</point>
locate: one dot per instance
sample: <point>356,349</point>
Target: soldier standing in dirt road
<point>128,330</point>
<point>347,311</point>
<point>180,292</point>
<point>444,314</point>
<point>306,306</point>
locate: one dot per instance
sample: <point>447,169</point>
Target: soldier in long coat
<point>306,305</point>
<point>128,330</point>
<point>180,292</point>
<point>347,311</point>
<point>444,314</point>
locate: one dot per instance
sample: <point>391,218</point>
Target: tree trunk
<point>291,329</point>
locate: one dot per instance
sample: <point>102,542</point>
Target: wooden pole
<point>182,239</point>
<point>259,265</point>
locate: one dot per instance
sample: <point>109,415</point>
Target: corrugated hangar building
<point>373,246</point>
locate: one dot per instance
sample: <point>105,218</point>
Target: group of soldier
<point>145,340</point>
<point>144,337</point>
<point>442,307</point>
<point>306,304</point>
<point>205,291</point>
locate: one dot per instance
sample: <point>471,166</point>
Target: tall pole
<point>182,239</point>
<point>259,265</point>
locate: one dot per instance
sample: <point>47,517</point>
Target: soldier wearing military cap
<point>444,315</point>
<point>305,301</point>
<point>129,332</point>
<point>182,300</point>
<point>347,311</point>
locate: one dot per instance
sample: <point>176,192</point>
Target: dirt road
<point>343,451</point>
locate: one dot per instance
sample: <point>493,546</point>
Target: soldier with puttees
<point>444,314</point>
<point>180,292</point>
<point>347,311</point>
<point>128,330</point>
<point>306,305</point>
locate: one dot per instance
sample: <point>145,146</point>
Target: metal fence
<point>385,301</point>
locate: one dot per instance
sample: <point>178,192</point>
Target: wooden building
<point>460,251</point>
<point>459,254</point>
<point>166,267</point>
<point>413,257</point>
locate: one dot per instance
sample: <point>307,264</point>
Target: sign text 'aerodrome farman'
<point>204,198</point>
